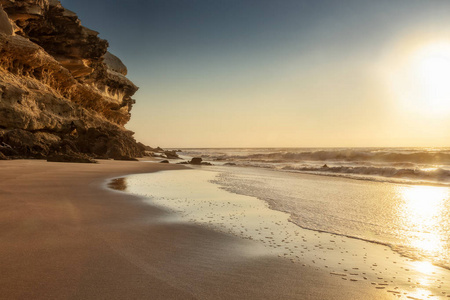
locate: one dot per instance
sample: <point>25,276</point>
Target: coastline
<point>197,196</point>
<point>64,235</point>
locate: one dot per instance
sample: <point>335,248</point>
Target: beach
<point>270,151</point>
<point>65,235</point>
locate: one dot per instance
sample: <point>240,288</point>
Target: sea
<point>428,166</point>
<point>397,197</point>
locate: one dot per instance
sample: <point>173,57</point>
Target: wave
<point>435,174</point>
<point>348,155</point>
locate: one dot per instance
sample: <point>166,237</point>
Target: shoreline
<point>63,235</point>
<point>196,200</point>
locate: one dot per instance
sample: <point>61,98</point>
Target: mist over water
<point>399,165</point>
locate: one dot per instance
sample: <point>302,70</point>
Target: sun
<point>422,80</point>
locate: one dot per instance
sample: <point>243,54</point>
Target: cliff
<point>61,91</point>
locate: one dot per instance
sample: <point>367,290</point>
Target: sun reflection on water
<point>421,212</point>
<point>424,267</point>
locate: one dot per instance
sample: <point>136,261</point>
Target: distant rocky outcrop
<point>196,161</point>
<point>61,91</point>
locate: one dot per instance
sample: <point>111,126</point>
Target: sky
<point>322,73</point>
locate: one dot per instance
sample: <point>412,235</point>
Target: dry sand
<point>63,235</point>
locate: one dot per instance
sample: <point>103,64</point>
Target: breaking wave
<point>419,157</point>
<point>419,174</point>
<point>415,165</point>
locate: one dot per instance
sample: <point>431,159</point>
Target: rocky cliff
<point>61,91</point>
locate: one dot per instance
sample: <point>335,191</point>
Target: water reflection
<point>424,267</point>
<point>421,212</point>
<point>118,184</point>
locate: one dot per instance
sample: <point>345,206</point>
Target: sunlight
<point>422,82</point>
<point>424,267</point>
<point>422,213</point>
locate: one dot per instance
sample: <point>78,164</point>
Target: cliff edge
<point>61,91</point>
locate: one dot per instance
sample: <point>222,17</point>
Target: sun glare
<point>421,213</point>
<point>423,80</point>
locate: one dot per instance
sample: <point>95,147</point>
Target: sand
<point>64,235</point>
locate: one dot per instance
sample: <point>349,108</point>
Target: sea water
<point>399,197</point>
<point>405,165</point>
<point>409,214</point>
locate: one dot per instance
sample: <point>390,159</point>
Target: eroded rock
<point>60,90</point>
<point>5,24</point>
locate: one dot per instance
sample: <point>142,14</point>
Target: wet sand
<point>194,198</point>
<point>63,235</point>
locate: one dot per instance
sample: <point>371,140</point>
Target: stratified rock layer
<point>60,90</point>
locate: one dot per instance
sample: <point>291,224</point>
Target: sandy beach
<point>63,235</point>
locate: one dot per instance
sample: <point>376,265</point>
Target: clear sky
<point>265,73</point>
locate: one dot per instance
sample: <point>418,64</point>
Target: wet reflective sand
<point>195,199</point>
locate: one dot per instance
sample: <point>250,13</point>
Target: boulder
<point>196,161</point>
<point>171,154</point>
<point>164,161</point>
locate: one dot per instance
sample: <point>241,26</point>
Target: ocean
<point>399,198</point>
<point>430,166</point>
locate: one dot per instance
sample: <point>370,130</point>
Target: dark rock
<point>325,166</point>
<point>196,161</point>
<point>204,163</point>
<point>107,143</point>
<point>144,147</point>
<point>29,144</point>
<point>73,158</point>
<point>2,156</point>
<point>7,150</point>
<point>171,154</point>
<point>183,163</point>
<point>164,161</point>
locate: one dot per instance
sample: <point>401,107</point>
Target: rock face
<point>61,92</point>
